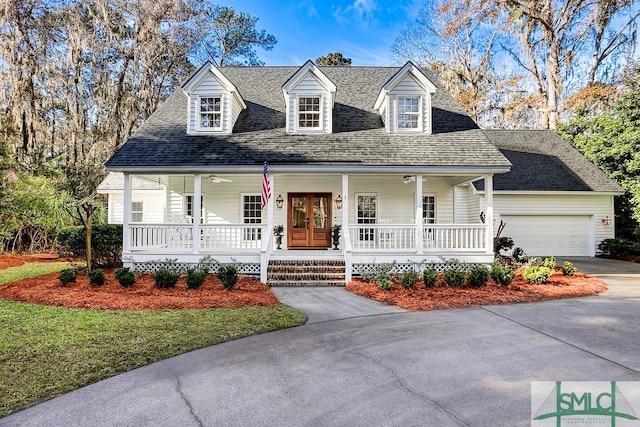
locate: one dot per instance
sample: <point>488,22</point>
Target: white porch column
<point>270,205</point>
<point>267,237</point>
<point>418,210</point>
<point>197,211</point>
<point>346,235</point>
<point>126,215</point>
<point>488,197</point>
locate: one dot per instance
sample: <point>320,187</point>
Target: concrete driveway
<point>470,367</point>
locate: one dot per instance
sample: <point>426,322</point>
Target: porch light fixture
<point>339,202</point>
<point>606,220</point>
<point>279,201</point>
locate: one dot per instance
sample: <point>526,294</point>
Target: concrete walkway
<point>469,367</point>
<point>331,303</point>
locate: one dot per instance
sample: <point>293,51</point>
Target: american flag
<point>266,185</point>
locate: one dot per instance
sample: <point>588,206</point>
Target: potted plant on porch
<point>277,231</point>
<point>335,233</point>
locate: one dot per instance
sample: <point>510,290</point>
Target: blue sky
<point>362,30</point>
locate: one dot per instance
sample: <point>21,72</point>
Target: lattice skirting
<point>249,269</point>
<point>394,269</point>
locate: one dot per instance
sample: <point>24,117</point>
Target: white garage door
<point>562,235</point>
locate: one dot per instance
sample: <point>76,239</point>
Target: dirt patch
<point>143,295</point>
<point>12,260</point>
<point>442,296</point>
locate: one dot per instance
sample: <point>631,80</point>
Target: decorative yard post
<point>418,211</point>
<point>488,197</point>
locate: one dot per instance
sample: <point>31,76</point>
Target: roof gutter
<point>308,169</point>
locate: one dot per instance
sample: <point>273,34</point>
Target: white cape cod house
<point>384,152</point>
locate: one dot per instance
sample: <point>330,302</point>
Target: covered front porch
<point>383,217</point>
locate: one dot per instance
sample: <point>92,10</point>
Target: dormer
<point>309,96</point>
<point>404,103</point>
<point>214,102</point>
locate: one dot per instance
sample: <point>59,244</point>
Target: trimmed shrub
<point>536,274</point>
<point>385,283</point>
<point>430,277</point>
<point>106,244</point>
<point>195,277</point>
<point>125,277</point>
<point>478,276</point>
<point>502,274</point>
<point>409,279</point>
<point>228,275</point>
<point>454,277</point>
<point>617,247</point>
<point>96,277</point>
<point>569,269</point>
<point>68,275</point>
<point>164,278</point>
<point>549,262</point>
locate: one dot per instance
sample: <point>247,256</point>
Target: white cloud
<point>361,11</point>
<point>308,6</point>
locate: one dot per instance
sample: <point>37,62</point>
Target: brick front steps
<point>306,273</point>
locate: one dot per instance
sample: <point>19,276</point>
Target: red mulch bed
<point>628,258</point>
<point>443,297</point>
<point>143,295</point>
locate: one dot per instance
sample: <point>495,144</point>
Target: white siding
<point>396,201</point>
<point>564,205</point>
<point>153,205</point>
<point>467,205</point>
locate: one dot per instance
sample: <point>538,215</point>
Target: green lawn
<point>45,351</point>
<point>31,269</point>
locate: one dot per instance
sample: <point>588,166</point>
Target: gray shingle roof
<point>358,137</point>
<point>543,161</point>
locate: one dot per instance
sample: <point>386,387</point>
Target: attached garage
<point>544,235</point>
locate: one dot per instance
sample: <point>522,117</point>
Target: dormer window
<point>309,112</point>
<point>210,113</point>
<point>408,113</point>
<point>309,97</point>
<point>404,102</point>
<point>214,102</point>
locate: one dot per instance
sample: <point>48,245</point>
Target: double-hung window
<point>252,214</point>
<point>210,113</point>
<point>367,212</point>
<point>136,212</point>
<point>309,112</point>
<point>190,205</point>
<point>428,209</point>
<point>408,113</point>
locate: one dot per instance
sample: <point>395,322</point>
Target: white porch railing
<point>232,236</point>
<point>213,237</point>
<point>435,237</point>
